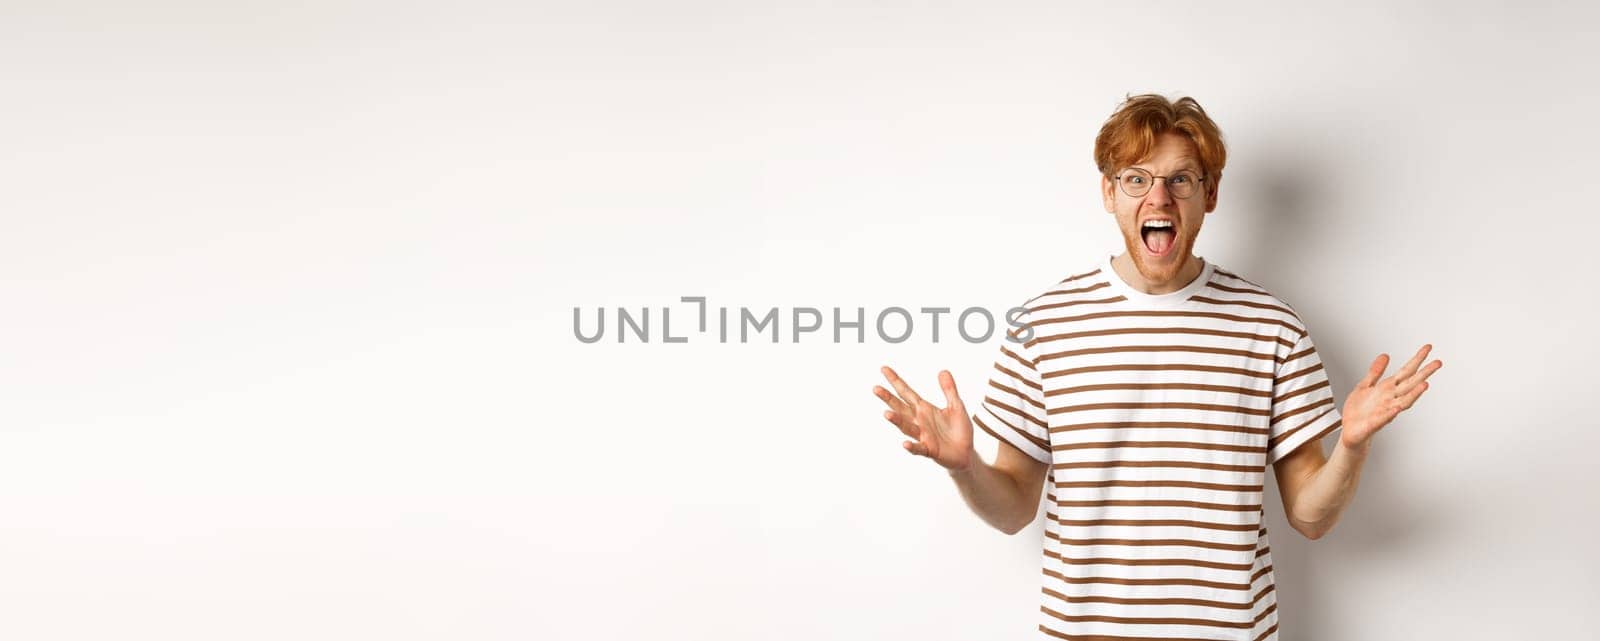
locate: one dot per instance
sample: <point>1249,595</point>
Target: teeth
<point>1159,224</point>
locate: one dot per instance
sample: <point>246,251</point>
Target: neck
<point>1129,272</point>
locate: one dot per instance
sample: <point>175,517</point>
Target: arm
<point>1316,490</point>
<point>1005,495</point>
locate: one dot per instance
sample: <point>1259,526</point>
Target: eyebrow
<point>1183,163</point>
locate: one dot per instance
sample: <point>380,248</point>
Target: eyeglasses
<point>1136,182</point>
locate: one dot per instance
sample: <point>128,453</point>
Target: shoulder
<point>1088,283</point>
<point>1060,297</point>
<point>1231,290</point>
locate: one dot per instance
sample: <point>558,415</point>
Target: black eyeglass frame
<point>1124,189</point>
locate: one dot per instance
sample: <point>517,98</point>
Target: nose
<point>1159,196</point>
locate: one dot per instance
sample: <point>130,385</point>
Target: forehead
<point>1172,150</point>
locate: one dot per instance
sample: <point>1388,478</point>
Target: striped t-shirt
<point>1158,416</point>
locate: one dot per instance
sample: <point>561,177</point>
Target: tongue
<point>1158,241</point>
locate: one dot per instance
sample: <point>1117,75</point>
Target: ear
<point>1108,192</point>
<point>1211,192</point>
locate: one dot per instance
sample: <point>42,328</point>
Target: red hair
<point>1130,133</point>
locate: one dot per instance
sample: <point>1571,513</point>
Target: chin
<point>1158,271</point>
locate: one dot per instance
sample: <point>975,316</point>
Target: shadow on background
<point>1283,213</point>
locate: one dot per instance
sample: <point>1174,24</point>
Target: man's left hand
<point>1374,403</point>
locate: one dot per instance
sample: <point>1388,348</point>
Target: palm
<point>1374,403</point>
<point>942,434</point>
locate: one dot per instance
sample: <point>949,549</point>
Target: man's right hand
<point>944,435</point>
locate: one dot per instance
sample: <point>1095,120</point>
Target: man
<point>1153,391</point>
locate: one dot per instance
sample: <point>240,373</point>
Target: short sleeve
<point>1303,409</point>
<point>1013,403</point>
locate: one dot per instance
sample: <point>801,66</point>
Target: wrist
<point>972,462</point>
<point>1359,449</point>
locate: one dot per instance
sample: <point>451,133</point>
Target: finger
<point>927,416</point>
<point>1424,374</point>
<point>1411,365</point>
<point>907,426</point>
<point>948,384</point>
<point>932,422</point>
<point>900,386</point>
<point>889,399</point>
<point>1412,396</point>
<point>914,448</point>
<point>1378,365</point>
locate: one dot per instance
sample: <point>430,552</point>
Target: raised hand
<point>1374,403</point>
<point>944,435</point>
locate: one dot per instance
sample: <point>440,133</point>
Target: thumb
<point>952,398</point>
<point>1378,365</point>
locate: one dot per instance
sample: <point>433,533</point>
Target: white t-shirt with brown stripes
<point>1159,416</point>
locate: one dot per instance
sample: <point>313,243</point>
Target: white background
<point>286,298</point>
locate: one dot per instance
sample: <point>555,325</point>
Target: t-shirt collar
<point>1170,299</point>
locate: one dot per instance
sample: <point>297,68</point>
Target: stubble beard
<point>1163,272</point>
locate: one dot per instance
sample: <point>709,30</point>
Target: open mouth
<point>1159,236</point>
